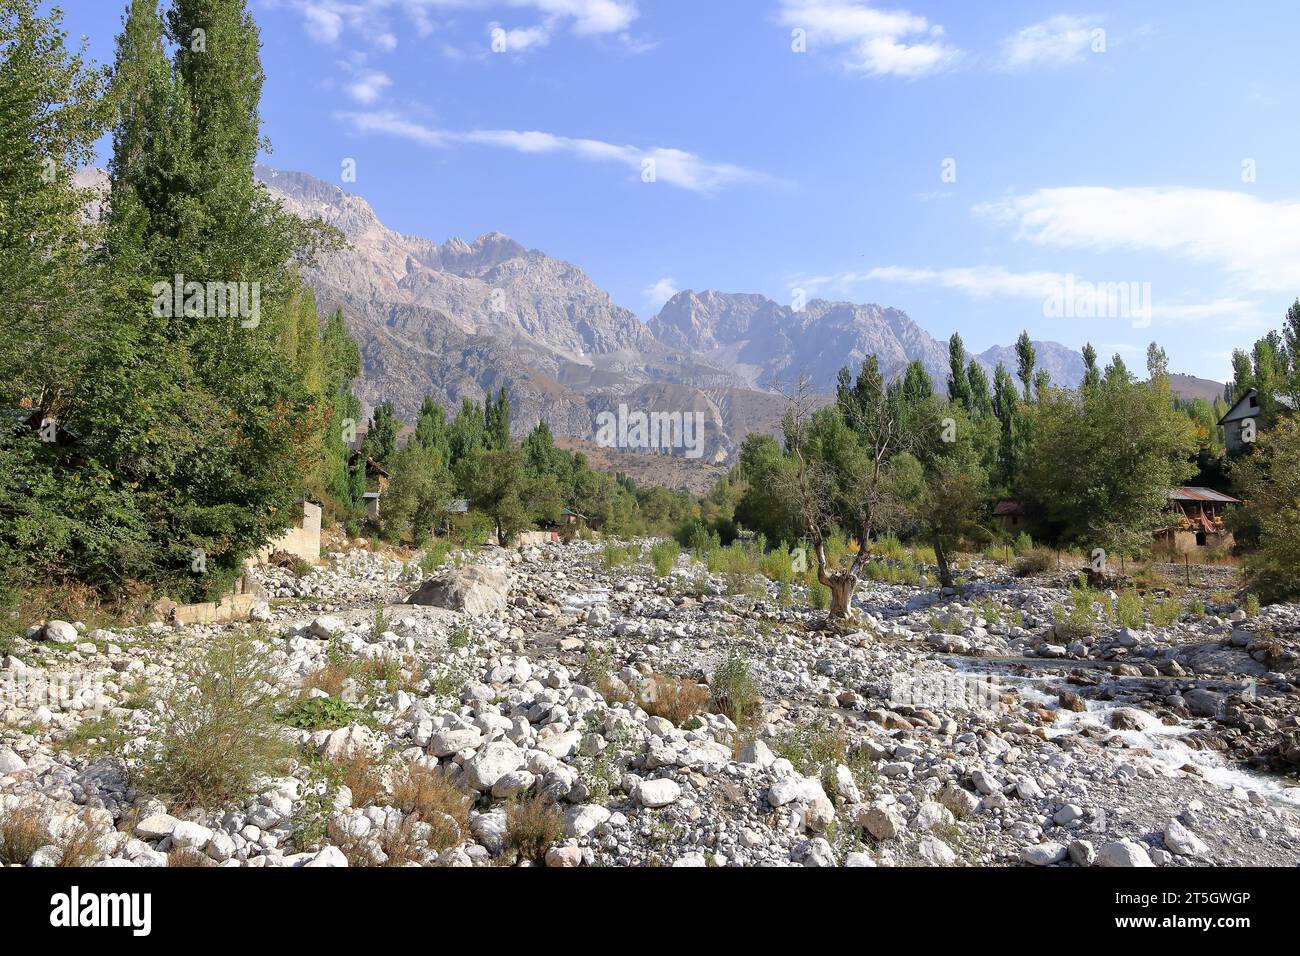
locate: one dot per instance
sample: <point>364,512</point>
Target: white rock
<point>60,631</point>
<point>1123,853</point>
<point>450,740</point>
<point>330,856</point>
<point>10,762</point>
<point>882,822</point>
<point>1043,854</point>
<point>156,826</point>
<point>187,834</point>
<point>490,764</point>
<point>1183,841</point>
<point>513,783</point>
<point>325,627</point>
<point>935,852</point>
<point>582,820</point>
<point>566,856</point>
<point>658,793</point>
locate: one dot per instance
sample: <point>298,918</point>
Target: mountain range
<point>456,320</point>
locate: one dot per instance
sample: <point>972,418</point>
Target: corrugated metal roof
<point>1201,494</point>
<point>1009,508</point>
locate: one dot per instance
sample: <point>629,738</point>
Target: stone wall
<point>302,540</point>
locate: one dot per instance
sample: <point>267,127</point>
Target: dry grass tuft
<point>532,826</point>
<point>187,856</point>
<point>427,795</point>
<point>23,831</point>
<point>79,843</point>
<point>361,776</point>
<point>220,732</point>
<point>676,700</point>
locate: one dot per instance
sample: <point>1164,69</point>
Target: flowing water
<point>1164,743</point>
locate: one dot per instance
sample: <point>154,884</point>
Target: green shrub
<point>819,595</point>
<point>323,713</point>
<point>1164,612</point>
<point>435,556</point>
<point>734,691</point>
<point>1080,620</point>
<point>1128,609</point>
<point>664,555</point>
<point>616,555</point>
<point>218,732</point>
<point>1035,561</point>
<point>777,565</point>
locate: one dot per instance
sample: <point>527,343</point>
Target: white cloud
<point>1256,241</point>
<point>1056,41</point>
<point>879,42</point>
<point>987,282</point>
<point>321,23</point>
<point>325,20</point>
<point>368,86</point>
<point>661,292</point>
<point>517,40</point>
<point>589,16</point>
<point>673,166</point>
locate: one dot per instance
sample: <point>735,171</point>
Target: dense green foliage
<point>183,436</point>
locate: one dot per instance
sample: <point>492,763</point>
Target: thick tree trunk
<point>842,587</point>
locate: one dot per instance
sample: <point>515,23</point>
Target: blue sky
<point>963,162</point>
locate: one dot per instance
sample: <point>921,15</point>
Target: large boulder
<point>475,590</point>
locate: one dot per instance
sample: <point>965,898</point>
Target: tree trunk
<point>945,572</point>
<point>842,587</point>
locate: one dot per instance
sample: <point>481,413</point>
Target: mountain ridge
<point>456,319</point>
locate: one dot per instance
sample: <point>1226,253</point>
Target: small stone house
<point>1010,516</point>
<point>1197,520</point>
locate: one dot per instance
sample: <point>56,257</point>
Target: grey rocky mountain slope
<point>768,343</point>
<point>458,319</point>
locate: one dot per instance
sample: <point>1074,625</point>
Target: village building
<point>1010,516</point>
<point>1197,521</point>
<point>1241,422</point>
<point>376,482</point>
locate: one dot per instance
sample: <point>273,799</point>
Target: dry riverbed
<point>571,714</point>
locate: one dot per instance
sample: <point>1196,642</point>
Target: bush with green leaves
<point>323,713</point>
<point>218,732</point>
<point>734,691</point>
<point>663,555</point>
<point>1128,609</point>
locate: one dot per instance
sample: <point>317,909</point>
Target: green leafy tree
<point>1091,373</point>
<point>381,436</point>
<point>981,392</point>
<point>839,475</point>
<point>959,386</point>
<point>1025,358</point>
<point>943,499</point>
<point>1102,462</point>
<point>419,490</point>
<point>1269,481</point>
<point>432,431</point>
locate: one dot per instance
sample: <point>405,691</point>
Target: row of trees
<point>515,485</point>
<point>1092,465</point>
<point>141,442</point>
<point>1095,463</point>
